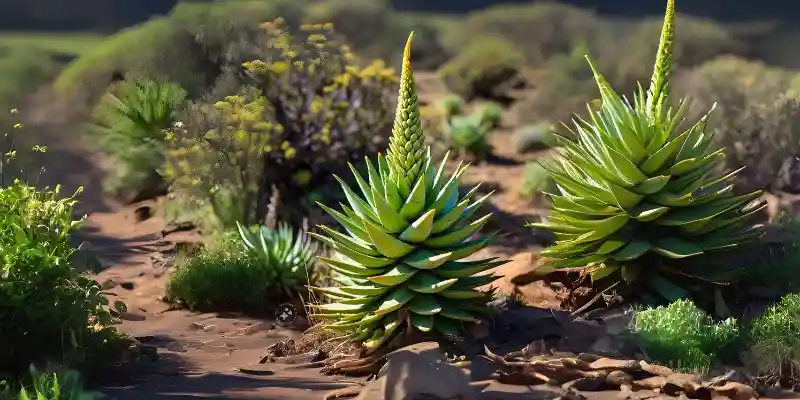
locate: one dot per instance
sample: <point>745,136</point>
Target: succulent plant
<point>287,256</point>
<point>405,235</point>
<point>489,115</point>
<point>638,193</point>
<point>451,105</point>
<point>469,135</point>
<point>533,137</point>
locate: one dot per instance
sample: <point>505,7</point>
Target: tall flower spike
<point>406,155</point>
<point>659,83</point>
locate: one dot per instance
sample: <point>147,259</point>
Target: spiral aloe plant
<point>404,238</point>
<point>637,192</point>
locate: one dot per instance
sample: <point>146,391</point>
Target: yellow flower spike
<point>406,155</point>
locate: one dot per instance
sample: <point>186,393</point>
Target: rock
<point>108,284</point>
<point>129,316</point>
<point>653,382</point>
<point>177,227</point>
<point>788,179</point>
<point>410,374</point>
<point>681,383</point>
<point>736,391</point>
<point>733,375</point>
<point>255,370</point>
<point>521,280</point>
<point>613,364</point>
<point>658,370</point>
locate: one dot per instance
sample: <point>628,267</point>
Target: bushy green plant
<point>534,137</point>
<point>224,276</point>
<point>774,351</point>
<point>682,336</point>
<point>467,135</point>
<point>402,241</point>
<point>288,257</point>
<point>757,118</point>
<point>303,108</point>
<point>131,119</point>
<point>64,384</point>
<point>58,313</point>
<point>481,68</point>
<point>536,183</point>
<point>489,115</point>
<point>638,194</point>
<point>451,105</point>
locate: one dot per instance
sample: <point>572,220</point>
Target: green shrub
<point>774,351</point>
<point>58,312</point>
<point>641,197</point>
<point>290,123</point>
<point>244,269</point>
<point>23,69</point>
<point>451,105</point>
<point>132,119</point>
<point>469,137</point>
<point>535,137</point>
<point>682,336</point>
<point>63,384</point>
<point>757,120</point>
<point>539,31</point>
<point>536,182</point>
<point>489,115</point>
<point>482,67</point>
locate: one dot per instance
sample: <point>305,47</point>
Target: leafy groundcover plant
<point>398,259</point>
<point>245,270</point>
<point>639,190</point>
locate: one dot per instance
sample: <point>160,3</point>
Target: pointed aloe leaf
<point>648,211</point>
<point>368,289</point>
<point>359,206</point>
<point>425,259</point>
<point>603,270</point>
<point>462,269</point>
<point>420,229</point>
<point>422,322</point>
<point>415,202</point>
<point>352,227</point>
<point>394,300</point>
<point>350,242</point>
<point>397,275</point>
<point>349,268</point>
<point>424,305</point>
<point>452,311</point>
<point>652,185</point>
<point>632,251</point>
<point>426,282</point>
<point>666,289</point>
<point>362,184</point>
<point>457,236</point>
<point>391,221</point>
<point>363,259</point>
<point>387,244</point>
<point>673,247</point>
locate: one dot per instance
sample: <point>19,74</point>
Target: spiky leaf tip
<point>406,154</point>
<point>659,83</point>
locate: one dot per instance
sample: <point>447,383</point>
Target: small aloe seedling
<point>403,241</point>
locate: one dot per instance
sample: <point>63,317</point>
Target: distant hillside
<point>109,15</point>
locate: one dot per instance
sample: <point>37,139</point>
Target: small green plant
<point>132,118</point>
<point>640,195</point>
<point>468,136</point>
<point>533,137</point>
<point>682,336</point>
<point>451,105</point>
<point>537,183</point>
<point>63,384</point>
<point>774,351</point>
<point>224,276</point>
<point>403,240</point>
<point>481,68</point>
<point>489,115</point>
<point>59,314</point>
<point>286,256</point>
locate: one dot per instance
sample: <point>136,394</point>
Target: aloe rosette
<point>399,259</point>
<point>637,191</point>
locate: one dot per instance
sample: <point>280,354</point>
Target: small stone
<point>108,284</point>
<point>610,363</point>
<point>196,326</point>
<point>129,316</point>
<point>255,370</point>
